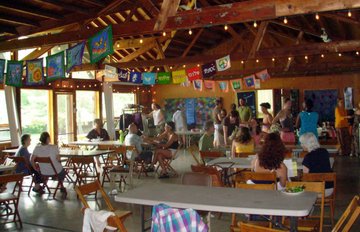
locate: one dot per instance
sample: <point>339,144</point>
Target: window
<point>23,53</point>
<point>83,75</point>
<point>265,95</point>
<point>86,111</point>
<point>120,100</point>
<point>35,117</point>
<point>4,121</point>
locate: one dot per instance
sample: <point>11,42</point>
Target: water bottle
<point>122,184</point>
<point>121,136</point>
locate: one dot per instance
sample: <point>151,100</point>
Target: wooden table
<point>96,143</point>
<point>65,152</point>
<point>4,168</point>
<point>217,199</point>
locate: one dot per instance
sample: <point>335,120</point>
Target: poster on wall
<point>348,98</point>
<point>55,67</point>
<point>101,45</point>
<point>34,72</point>
<point>250,99</point>
<point>14,73</point>
<point>74,56</point>
<point>324,103</point>
<point>2,70</point>
<point>190,110</point>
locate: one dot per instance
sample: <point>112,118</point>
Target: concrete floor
<point>42,213</point>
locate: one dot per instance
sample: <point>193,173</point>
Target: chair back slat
<point>257,176</point>
<point>210,154</point>
<point>244,154</point>
<point>349,216</point>
<point>20,160</point>
<point>82,160</point>
<point>256,186</point>
<point>212,171</point>
<point>11,178</point>
<point>244,227</point>
<point>195,178</point>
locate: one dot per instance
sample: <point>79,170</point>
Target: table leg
<point>112,181</point>
<point>293,224</point>
<point>142,215</point>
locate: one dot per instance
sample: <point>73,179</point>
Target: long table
<point>65,152</point>
<point>225,200</point>
<point>96,143</point>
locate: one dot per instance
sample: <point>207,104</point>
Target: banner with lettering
<point>110,71</point>
<point>208,70</point>
<point>223,86</point>
<point>198,84</point>
<point>123,75</point>
<point>249,81</point>
<point>135,77</point>
<point>179,76</point>
<point>186,83</point>
<point>209,85</point>
<point>263,75</point>
<point>223,63</point>
<point>164,78</point>
<point>149,78</point>
<point>193,73</point>
<point>236,84</point>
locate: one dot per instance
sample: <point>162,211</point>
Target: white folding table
<point>220,199</point>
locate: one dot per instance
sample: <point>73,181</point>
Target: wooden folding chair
<point>263,177</point>
<point>210,170</point>
<point>244,154</point>
<point>46,177</point>
<point>306,224</point>
<point>116,158</point>
<point>85,169</point>
<point>10,200</point>
<point>114,221</point>
<point>167,163</point>
<point>21,160</point>
<point>349,216</point>
<point>206,155</point>
<point>245,227</point>
<point>329,200</point>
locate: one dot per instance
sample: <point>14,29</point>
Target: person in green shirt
<point>245,112</point>
<point>206,141</point>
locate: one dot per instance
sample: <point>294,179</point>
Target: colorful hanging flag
<point>110,71</point>
<point>223,86</point>
<point>209,85</point>
<point>34,72</point>
<point>257,84</point>
<point>123,75</point>
<point>198,84</point>
<point>135,77</point>
<point>2,70</point>
<point>223,63</point>
<point>250,81</point>
<point>263,75</point>
<point>193,73</point>
<point>149,78</point>
<point>179,76</point>
<point>14,72</point>
<point>74,56</point>
<point>101,44</point>
<point>186,83</point>
<point>55,67</point>
<point>208,70</point>
<point>236,84</point>
<point>163,78</point>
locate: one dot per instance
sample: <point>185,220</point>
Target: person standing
<point>285,118</point>
<point>180,121</point>
<point>307,120</point>
<point>216,113</point>
<point>158,116</point>
<point>98,131</point>
<point>230,124</point>
<point>267,120</point>
<point>342,128</point>
<point>245,112</point>
<point>355,132</point>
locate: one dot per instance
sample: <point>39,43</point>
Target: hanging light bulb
<point>141,41</point>
<point>170,67</point>
<point>257,61</point>
<point>198,65</point>
<point>306,57</point>
<point>184,66</point>
<point>190,32</point>
<point>164,33</point>
<point>158,69</point>
<point>349,13</point>
<point>289,58</point>
<point>242,62</point>
<point>39,48</point>
<point>317,17</point>
<point>273,59</point>
<point>340,54</point>
<point>357,53</point>
<point>117,45</point>
<point>59,48</point>
<point>255,24</point>
<point>285,20</point>
<point>322,56</point>
<point>225,27</point>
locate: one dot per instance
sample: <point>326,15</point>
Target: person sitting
<point>270,159</point>
<point>45,149</point>
<point>230,123</point>
<point>206,141</point>
<point>166,150</point>
<point>28,169</point>
<point>317,160</point>
<point>243,142</point>
<point>133,139</point>
<point>98,132</point>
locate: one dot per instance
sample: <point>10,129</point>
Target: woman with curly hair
<point>271,157</point>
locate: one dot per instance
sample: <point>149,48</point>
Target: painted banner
<point>223,63</point>
<point>34,72</point>
<point>208,70</point>
<point>135,77</point>
<point>209,85</point>
<point>198,85</point>
<point>14,71</point>
<point>74,56</point>
<point>179,76</point>
<point>149,78</point>
<point>193,73</point>
<point>348,98</point>
<point>236,84</point>
<point>101,45</point>
<point>123,75</point>
<point>249,81</point>
<point>110,71</point>
<point>263,75</point>
<point>55,67</point>
<point>190,110</point>
<point>2,70</point>
<point>257,84</point>
<point>164,78</point>
<point>186,83</point>
<point>223,86</point>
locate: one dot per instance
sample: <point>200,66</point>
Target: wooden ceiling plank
<point>149,6</point>
<point>288,25</point>
<point>258,39</point>
<point>18,20</point>
<point>161,54</point>
<point>168,9</point>
<point>26,10</point>
<point>340,18</point>
<point>254,32</point>
<point>289,61</point>
<point>193,41</point>
<point>65,6</point>
<point>95,2</point>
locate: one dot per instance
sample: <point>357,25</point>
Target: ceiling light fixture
<point>225,27</point>
<point>255,24</point>
<point>285,20</point>
<point>317,17</point>
<point>190,32</point>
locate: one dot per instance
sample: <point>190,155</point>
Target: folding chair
<point>114,221</point>
<point>245,227</point>
<point>307,224</point>
<point>349,216</point>
<point>206,155</point>
<point>329,200</point>
<point>210,170</point>
<point>85,169</point>
<point>10,200</point>
<point>46,177</point>
<point>21,160</point>
<point>167,162</point>
<point>116,158</point>
<point>264,177</point>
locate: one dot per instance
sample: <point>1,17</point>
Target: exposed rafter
<point>168,9</point>
<point>258,39</point>
<point>27,10</point>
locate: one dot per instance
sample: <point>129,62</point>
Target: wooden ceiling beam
<point>19,8</point>
<point>168,9</point>
<point>8,30</point>
<point>289,61</point>
<point>191,44</point>
<point>288,25</point>
<point>254,32</point>
<point>95,2</point>
<point>135,43</point>
<point>18,20</point>
<point>258,39</point>
<point>66,6</point>
<point>149,6</point>
<point>341,18</point>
